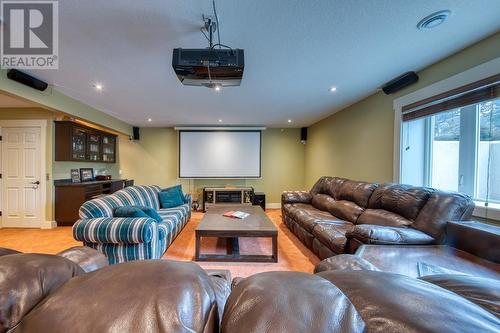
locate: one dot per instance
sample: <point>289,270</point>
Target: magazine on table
<point>236,214</point>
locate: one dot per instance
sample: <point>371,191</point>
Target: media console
<point>226,196</point>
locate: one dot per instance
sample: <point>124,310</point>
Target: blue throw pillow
<point>129,211</point>
<point>171,197</point>
<point>137,211</point>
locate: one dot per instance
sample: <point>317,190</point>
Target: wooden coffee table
<point>214,224</point>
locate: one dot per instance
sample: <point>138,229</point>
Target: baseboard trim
<point>49,225</point>
<point>273,205</point>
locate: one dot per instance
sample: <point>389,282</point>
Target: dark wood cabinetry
<point>70,196</point>
<point>76,142</point>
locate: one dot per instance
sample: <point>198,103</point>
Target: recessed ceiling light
<point>98,86</point>
<point>433,20</point>
<point>289,121</point>
<point>332,89</point>
<point>150,120</point>
<point>220,120</point>
<point>217,88</point>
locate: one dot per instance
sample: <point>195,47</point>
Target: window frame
<point>467,77</point>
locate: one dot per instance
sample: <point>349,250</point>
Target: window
<point>453,143</point>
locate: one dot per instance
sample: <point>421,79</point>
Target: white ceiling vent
<point>433,20</point>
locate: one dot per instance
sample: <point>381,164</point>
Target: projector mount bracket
<point>210,26</point>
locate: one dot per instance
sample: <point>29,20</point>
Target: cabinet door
<point>94,144</point>
<point>108,149</point>
<point>79,144</point>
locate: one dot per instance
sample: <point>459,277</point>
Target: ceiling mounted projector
<point>209,67</point>
<point>212,67</point>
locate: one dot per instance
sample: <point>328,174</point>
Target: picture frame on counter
<point>75,175</point>
<point>86,174</point>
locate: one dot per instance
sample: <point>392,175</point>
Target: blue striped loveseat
<point>124,239</point>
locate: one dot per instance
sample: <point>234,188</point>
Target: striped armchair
<point>125,239</point>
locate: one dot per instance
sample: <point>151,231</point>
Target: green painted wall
<point>357,142</point>
<point>153,160</point>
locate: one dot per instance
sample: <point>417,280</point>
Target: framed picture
<point>86,174</point>
<point>75,175</point>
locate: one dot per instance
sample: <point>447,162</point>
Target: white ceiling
<point>294,51</point>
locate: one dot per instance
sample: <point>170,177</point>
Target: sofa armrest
<point>295,197</point>
<point>87,258</point>
<point>380,235</point>
<point>115,230</point>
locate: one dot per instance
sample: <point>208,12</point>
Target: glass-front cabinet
<point>94,147</point>
<point>76,142</point>
<point>108,148</point>
<point>79,144</point>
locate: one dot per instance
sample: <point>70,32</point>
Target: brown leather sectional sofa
<point>338,214</point>
<point>47,293</point>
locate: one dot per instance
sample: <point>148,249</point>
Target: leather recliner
<point>47,293</point>
<point>53,293</point>
<point>338,214</point>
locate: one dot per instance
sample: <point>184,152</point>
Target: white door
<point>21,176</point>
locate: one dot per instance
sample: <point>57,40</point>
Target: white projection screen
<point>219,154</point>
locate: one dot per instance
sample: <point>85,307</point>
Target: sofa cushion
<point>346,210</point>
<point>171,197</point>
<point>129,211</point>
<point>322,201</point>
<point>357,192</point>
<point>383,217</point>
<point>482,291</point>
<point>331,186</point>
<point>345,262</point>
<point>282,302</point>
<point>390,302</point>
<point>332,234</point>
<point>376,234</point>
<point>441,208</point>
<point>138,296</point>
<point>26,279</point>
<point>404,200</point>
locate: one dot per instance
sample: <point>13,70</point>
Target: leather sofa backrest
<point>26,279</point>
<point>357,192</point>
<point>138,296</point>
<point>390,302</point>
<point>395,205</point>
<point>345,199</point>
<point>283,302</point>
<point>441,208</point>
<point>328,185</point>
<point>404,200</point>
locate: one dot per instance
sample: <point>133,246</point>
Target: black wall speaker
<point>27,80</point>
<point>303,135</point>
<point>135,133</point>
<point>400,82</point>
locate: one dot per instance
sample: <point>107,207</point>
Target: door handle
<point>36,183</point>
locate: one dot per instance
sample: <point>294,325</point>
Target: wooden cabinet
<point>70,196</point>
<point>76,142</point>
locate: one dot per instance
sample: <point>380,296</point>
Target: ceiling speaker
<point>135,134</point>
<point>27,80</point>
<point>400,82</point>
<point>303,135</point>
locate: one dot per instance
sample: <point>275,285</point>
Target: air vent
<point>433,20</point>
